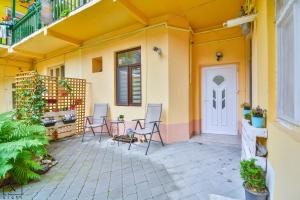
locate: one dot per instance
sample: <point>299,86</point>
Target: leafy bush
<point>30,99</point>
<point>253,175</point>
<point>21,146</point>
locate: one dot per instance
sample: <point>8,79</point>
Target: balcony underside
<point>101,17</point>
<point>85,23</point>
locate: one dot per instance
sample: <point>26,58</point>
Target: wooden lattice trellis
<point>58,99</point>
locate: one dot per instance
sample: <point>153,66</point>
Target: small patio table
<point>115,124</point>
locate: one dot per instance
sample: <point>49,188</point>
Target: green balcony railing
<point>5,34</point>
<point>32,21</point>
<point>27,25</point>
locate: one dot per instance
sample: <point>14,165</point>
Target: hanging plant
<point>65,13</point>
<point>66,88</point>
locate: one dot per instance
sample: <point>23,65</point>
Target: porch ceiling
<point>200,13</point>
<point>100,17</point>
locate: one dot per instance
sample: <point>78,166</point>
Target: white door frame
<point>203,88</point>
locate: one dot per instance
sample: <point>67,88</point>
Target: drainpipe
<point>13,9</point>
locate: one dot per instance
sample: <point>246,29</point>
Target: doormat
<point>124,138</point>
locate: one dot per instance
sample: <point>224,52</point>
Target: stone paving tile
<point>104,171</point>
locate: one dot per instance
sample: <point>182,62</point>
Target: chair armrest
<point>138,120</point>
<point>153,122</point>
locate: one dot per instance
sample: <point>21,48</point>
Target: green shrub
<point>253,176</point>
<point>21,146</point>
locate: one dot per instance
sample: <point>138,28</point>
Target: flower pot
<point>258,122</point>
<point>246,111</point>
<point>51,101</point>
<point>63,93</point>
<point>69,121</point>
<point>250,195</point>
<point>78,102</point>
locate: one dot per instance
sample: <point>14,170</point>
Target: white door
<point>219,100</point>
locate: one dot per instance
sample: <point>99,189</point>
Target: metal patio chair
<point>99,119</point>
<point>151,125</point>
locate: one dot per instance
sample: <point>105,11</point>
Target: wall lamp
<point>219,55</point>
<point>157,50</point>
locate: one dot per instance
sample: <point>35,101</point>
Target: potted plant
<point>247,108</point>
<point>254,180</point>
<point>65,88</point>
<point>78,102</point>
<point>72,107</point>
<point>69,118</point>
<point>121,118</point>
<point>258,117</point>
<point>48,122</point>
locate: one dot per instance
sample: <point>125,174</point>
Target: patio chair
<point>151,125</point>
<point>99,119</point>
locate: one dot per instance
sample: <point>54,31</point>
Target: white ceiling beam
<point>60,36</point>
<point>26,53</point>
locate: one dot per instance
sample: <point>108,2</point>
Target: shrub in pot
<point>246,108</point>
<point>254,180</point>
<point>258,117</point>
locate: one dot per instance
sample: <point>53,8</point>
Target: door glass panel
<point>214,99</point>
<point>223,98</point>
<point>218,80</point>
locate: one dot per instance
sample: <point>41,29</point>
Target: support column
<point>13,9</point>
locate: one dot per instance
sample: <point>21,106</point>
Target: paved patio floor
<point>101,171</point>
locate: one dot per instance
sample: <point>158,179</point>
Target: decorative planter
<point>63,93</point>
<point>51,101</point>
<point>69,121</point>
<point>250,195</point>
<point>246,111</point>
<point>78,101</point>
<point>258,122</point>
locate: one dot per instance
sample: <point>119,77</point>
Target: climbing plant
<point>31,101</point>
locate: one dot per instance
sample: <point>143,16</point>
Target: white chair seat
<point>144,131</point>
<point>94,125</point>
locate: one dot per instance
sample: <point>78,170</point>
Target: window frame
<point>129,77</point>
<point>288,10</point>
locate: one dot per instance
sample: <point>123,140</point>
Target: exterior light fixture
<point>157,50</point>
<point>239,21</point>
<point>219,55</point>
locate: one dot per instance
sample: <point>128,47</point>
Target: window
<point>288,63</point>
<point>58,71</point>
<point>97,65</point>
<point>128,72</point>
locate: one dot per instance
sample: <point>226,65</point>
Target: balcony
<point>72,22</point>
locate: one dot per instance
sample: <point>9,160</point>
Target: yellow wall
<point>8,71</point>
<point>7,4</point>
<point>165,78</point>
<point>283,142</point>
<point>232,44</point>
